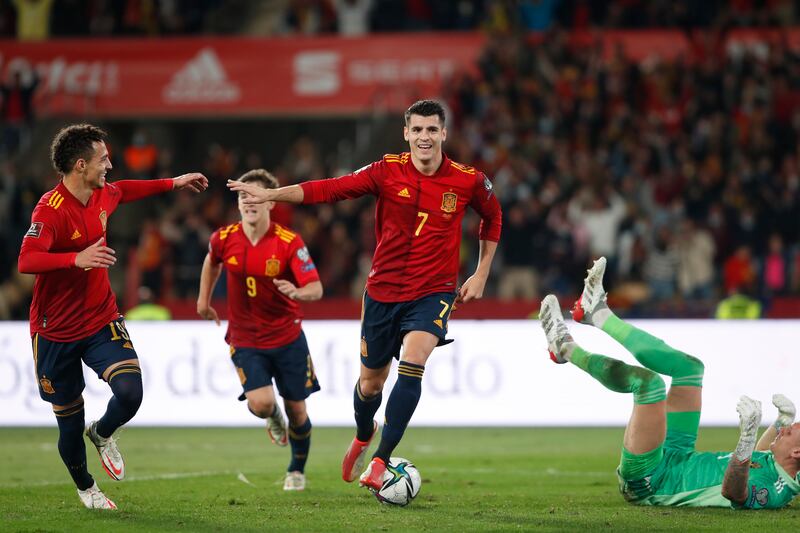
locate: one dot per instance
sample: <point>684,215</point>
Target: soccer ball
<point>401,482</point>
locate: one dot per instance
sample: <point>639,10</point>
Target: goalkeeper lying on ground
<point>659,465</point>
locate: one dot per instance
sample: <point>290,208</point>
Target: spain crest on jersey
<point>273,267</point>
<point>449,202</point>
<point>47,386</point>
<point>103,218</point>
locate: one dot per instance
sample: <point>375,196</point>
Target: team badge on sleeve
<point>303,255</point>
<point>35,230</point>
<point>488,186</point>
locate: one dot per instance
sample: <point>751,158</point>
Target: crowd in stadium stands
<point>42,19</point>
<point>685,174</point>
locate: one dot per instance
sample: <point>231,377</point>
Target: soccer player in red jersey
<point>421,199</point>
<point>269,271</point>
<point>74,314</point>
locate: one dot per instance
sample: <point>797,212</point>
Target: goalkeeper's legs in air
<point>684,399</point>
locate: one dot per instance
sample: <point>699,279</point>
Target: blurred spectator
<point>661,265</point>
<point>696,251</point>
<point>739,271</point>
<point>33,19</point>
<point>141,156</point>
<point>147,308</point>
<point>310,17</point>
<point>519,278</point>
<point>16,110</point>
<point>775,268</point>
<point>739,306</point>
<point>537,15</point>
<point>150,255</point>
<point>352,17</point>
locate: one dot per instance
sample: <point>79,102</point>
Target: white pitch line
<point>156,477</point>
<point>241,477</point>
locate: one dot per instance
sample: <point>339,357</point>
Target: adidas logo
<point>438,322</point>
<point>233,261</point>
<point>128,345</point>
<point>76,235</point>
<point>404,193</point>
<point>202,80</point>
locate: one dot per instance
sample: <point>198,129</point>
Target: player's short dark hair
<point>259,175</point>
<point>426,108</point>
<point>73,143</point>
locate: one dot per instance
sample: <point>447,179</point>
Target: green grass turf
<point>553,479</point>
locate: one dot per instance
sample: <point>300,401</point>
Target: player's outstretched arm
<point>292,194</point>
<point>472,289</point>
<point>208,280</point>
<point>786,414</point>
<point>734,484</point>
<point>133,190</point>
<point>194,182</point>
<point>308,293</point>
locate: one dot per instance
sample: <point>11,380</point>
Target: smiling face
<point>425,136</point>
<point>93,171</point>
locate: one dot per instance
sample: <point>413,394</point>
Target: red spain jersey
<point>417,222</point>
<point>71,303</point>
<point>259,315</point>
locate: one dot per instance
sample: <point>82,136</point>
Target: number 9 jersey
<point>259,315</point>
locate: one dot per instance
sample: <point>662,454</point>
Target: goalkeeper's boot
<point>353,461</point>
<point>93,498</point>
<point>372,478</point>
<point>559,340</point>
<point>294,481</point>
<point>110,457</point>
<point>593,296</point>
<point>276,428</point>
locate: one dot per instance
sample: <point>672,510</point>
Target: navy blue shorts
<point>289,365</point>
<point>58,364</point>
<point>383,325</point>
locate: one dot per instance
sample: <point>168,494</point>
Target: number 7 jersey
<point>417,223</point>
<point>259,315</point>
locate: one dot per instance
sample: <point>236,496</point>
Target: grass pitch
<point>488,479</point>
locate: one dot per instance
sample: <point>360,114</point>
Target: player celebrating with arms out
<point>659,465</point>
<point>421,199</point>
<point>269,271</point>
<point>74,314</point>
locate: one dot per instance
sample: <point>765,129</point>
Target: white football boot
<point>593,298</point>
<point>93,498</point>
<point>559,340</point>
<point>294,481</point>
<point>276,428</point>
<point>110,457</point>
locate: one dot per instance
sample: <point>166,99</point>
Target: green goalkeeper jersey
<point>694,479</point>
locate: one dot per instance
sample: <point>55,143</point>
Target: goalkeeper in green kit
<point>659,465</point>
